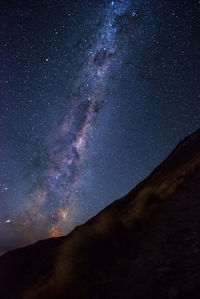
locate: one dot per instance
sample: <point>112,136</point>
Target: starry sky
<point>94,95</point>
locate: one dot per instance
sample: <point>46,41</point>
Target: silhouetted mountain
<point>3,250</point>
<point>145,245</point>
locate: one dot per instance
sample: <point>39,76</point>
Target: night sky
<point>94,95</point>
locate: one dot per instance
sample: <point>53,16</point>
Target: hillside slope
<point>145,245</point>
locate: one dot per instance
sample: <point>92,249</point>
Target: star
<point>134,13</point>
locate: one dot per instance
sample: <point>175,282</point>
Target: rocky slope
<point>145,245</point>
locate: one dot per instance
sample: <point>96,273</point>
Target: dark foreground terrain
<point>145,245</point>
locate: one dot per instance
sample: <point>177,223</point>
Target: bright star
<point>134,13</point>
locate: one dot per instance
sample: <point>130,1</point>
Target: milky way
<point>67,145</point>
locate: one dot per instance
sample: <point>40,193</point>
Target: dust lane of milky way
<point>67,147</point>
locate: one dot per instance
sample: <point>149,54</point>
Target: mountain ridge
<point>129,249</point>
